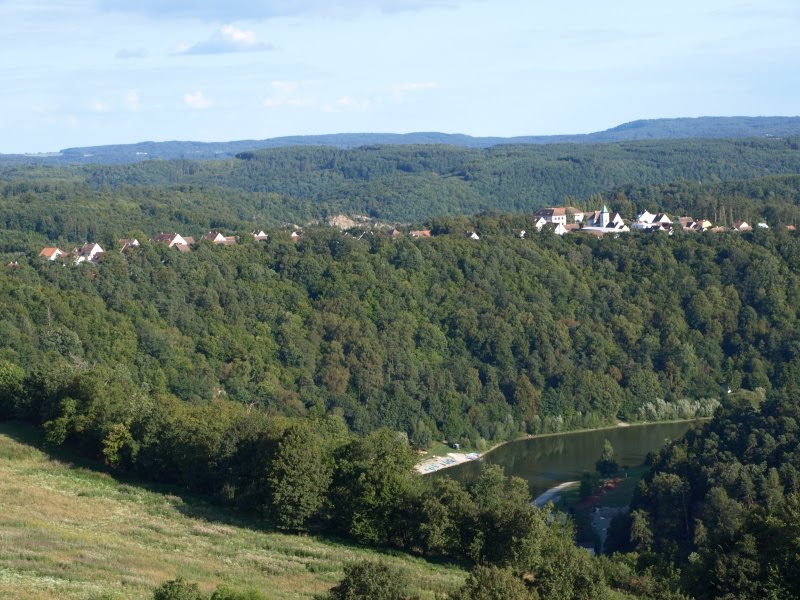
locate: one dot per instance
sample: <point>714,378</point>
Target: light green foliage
<point>494,583</point>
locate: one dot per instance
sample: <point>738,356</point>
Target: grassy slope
<point>71,532</point>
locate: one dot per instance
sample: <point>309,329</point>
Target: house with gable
<point>174,240</point>
<point>648,221</point>
<point>87,253</point>
<point>259,235</point>
<point>603,221</point>
<point>52,253</point>
<point>420,233</point>
<point>215,237</point>
<point>128,245</point>
<point>742,226</point>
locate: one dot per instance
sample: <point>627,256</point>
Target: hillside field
<point>71,532</point>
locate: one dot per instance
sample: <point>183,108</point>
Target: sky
<point>95,72</point>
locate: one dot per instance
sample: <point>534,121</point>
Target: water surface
<point>547,461</point>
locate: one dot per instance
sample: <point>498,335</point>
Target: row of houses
<point>565,219</point>
<point>91,252</point>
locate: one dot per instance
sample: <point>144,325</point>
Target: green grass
<point>623,493</point>
<point>68,531</point>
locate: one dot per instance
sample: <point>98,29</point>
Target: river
<point>545,462</point>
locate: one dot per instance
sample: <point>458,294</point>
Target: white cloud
<point>228,39</point>
<point>196,100</point>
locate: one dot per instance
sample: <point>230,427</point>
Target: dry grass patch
<point>73,533</point>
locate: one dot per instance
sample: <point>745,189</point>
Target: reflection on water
<point>548,461</point>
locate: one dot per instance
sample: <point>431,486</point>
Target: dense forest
<point>404,184</point>
<point>445,337</point>
<point>292,379</point>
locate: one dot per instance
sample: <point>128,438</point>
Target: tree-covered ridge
<point>445,336</point>
<point>395,183</point>
<point>651,129</point>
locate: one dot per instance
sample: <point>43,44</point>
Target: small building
<point>472,235</point>
<point>648,221</point>
<point>420,233</point>
<point>742,226</point>
<point>605,222</point>
<point>128,245</point>
<point>52,253</point>
<point>394,232</point>
<point>259,235</point>
<point>215,237</point>
<point>552,214</point>
<point>87,253</point>
<point>174,240</point>
<point>296,235</point>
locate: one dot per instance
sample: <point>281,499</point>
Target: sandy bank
<point>442,462</point>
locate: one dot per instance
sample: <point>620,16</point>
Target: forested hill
<point>653,129</point>
<point>444,336</point>
<point>402,184</point>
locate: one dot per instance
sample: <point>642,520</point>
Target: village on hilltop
<point>559,220</point>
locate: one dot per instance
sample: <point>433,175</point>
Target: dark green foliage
<point>370,580</point>
<point>607,465</point>
<point>298,477</point>
<point>178,589</point>
<point>224,592</point>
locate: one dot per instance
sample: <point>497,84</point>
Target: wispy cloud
<point>214,10</point>
<point>196,100</point>
<point>401,91</point>
<point>289,93</point>
<point>228,39</point>
<point>132,100</point>
<point>99,106</point>
<point>348,104</point>
<point>126,54</point>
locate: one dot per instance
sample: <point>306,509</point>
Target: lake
<point>545,462</point>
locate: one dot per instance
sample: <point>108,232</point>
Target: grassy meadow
<point>70,531</point>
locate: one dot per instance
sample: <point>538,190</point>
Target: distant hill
<point>652,129</point>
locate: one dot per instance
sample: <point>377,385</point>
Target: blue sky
<point>91,72</point>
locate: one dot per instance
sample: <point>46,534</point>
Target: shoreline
<point>440,463</point>
<point>553,493</point>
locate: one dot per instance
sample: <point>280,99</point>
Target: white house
<point>88,253</point>
<point>259,235</point>
<point>648,221</point>
<point>174,240</point>
<point>603,221</point>
<point>215,237</point>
